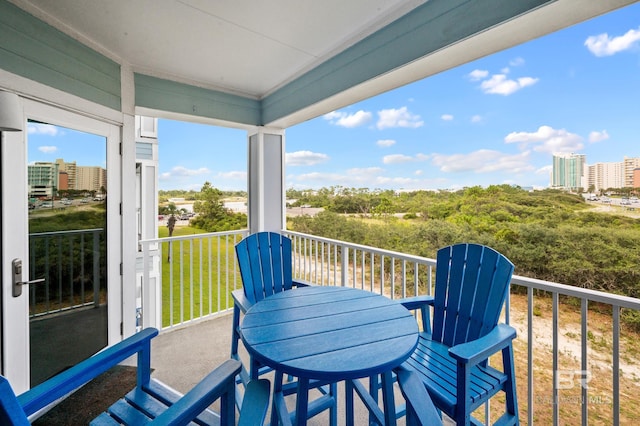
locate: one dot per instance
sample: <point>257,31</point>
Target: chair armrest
<point>301,283</point>
<point>416,302</point>
<point>419,403</point>
<point>480,349</point>
<point>217,383</point>
<point>69,380</point>
<point>244,304</point>
<point>256,398</point>
<point>241,300</point>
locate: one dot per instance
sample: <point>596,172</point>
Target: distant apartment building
<point>568,171</point>
<point>630,164</point>
<point>46,178</point>
<point>91,178</point>
<point>42,179</point>
<point>70,169</point>
<point>602,176</point>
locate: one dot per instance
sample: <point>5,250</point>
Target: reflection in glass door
<point>67,193</point>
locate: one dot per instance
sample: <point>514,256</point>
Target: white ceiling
<point>246,47</point>
<point>254,48</point>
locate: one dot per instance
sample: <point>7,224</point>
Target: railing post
<point>96,268</point>
<point>344,270</point>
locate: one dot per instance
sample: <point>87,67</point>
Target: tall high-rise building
<point>568,171</point>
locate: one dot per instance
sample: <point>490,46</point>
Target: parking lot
<point>61,204</point>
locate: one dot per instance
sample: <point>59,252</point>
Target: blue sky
<point>46,143</point>
<point>493,121</point>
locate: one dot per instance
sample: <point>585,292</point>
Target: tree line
<point>212,215</point>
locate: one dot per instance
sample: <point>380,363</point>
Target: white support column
<point>148,276</point>
<point>266,204</point>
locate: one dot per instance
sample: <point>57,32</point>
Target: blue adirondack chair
<point>151,400</point>
<point>265,265</point>
<point>264,259</point>
<point>420,408</point>
<point>472,283</point>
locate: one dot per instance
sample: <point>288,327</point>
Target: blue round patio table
<point>331,334</point>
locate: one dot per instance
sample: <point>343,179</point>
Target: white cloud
<point>396,159</point>
<point>233,175</point>
<point>370,177</point>
<point>401,117</point>
<point>323,178</point>
<point>367,171</point>
<point>596,136</point>
<point>544,170</point>
<point>385,143</point>
<point>477,75</point>
<point>180,172</point>
<point>48,149</point>
<point>344,119</point>
<point>446,117</point>
<point>483,161</point>
<point>516,62</point>
<point>547,139</point>
<point>476,119</point>
<point>401,158</point>
<point>396,182</point>
<point>359,180</point>
<point>304,158</point>
<point>604,45</point>
<point>499,84</point>
<point>42,129</point>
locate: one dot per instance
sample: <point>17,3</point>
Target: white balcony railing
<point>187,278</point>
<point>574,365</point>
<point>571,368</point>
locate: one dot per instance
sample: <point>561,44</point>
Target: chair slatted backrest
<point>472,282</point>
<point>265,264</point>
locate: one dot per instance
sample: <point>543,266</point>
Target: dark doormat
<point>92,399</point>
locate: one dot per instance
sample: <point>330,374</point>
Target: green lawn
<point>212,263</point>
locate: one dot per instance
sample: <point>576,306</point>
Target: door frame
<point>15,311</point>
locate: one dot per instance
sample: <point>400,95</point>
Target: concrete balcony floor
<point>181,357</point>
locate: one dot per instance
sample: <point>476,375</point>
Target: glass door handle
<point>16,268</point>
